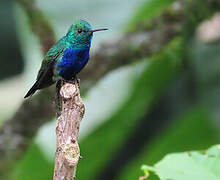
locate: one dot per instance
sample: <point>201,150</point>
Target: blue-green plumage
<point>66,58</point>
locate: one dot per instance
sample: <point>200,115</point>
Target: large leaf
<point>202,165</point>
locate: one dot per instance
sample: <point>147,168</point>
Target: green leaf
<point>189,165</point>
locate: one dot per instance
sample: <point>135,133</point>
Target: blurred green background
<point>167,101</point>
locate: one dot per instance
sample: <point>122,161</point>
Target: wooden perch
<point>68,122</point>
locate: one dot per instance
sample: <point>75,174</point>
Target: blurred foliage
<point>147,11</point>
<point>192,127</point>
<point>9,46</point>
<point>193,130</point>
<point>203,165</point>
<point>33,166</point>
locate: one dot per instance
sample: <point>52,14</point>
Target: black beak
<point>95,30</point>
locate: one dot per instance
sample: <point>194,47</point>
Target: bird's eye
<point>79,30</point>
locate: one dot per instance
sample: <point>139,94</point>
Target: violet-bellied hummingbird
<point>67,57</point>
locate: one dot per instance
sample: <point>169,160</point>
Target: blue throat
<point>72,62</point>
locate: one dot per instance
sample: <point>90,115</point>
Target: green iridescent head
<point>80,34</point>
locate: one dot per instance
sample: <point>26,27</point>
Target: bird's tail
<point>32,90</point>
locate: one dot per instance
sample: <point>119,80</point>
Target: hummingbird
<point>65,59</point>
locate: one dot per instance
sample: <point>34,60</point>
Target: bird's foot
<point>58,98</point>
<point>77,81</point>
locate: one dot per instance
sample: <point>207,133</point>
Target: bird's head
<point>80,34</point>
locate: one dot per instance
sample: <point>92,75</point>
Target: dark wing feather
<point>45,74</point>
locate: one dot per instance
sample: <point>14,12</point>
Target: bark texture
<point>67,130</point>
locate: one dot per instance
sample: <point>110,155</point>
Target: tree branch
<point>132,47</point>
<point>68,152</point>
<point>38,24</point>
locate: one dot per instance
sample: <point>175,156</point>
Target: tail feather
<point>32,90</point>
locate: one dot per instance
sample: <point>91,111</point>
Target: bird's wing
<point>45,74</point>
<point>52,55</point>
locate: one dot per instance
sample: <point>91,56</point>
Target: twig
<point>68,152</point>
